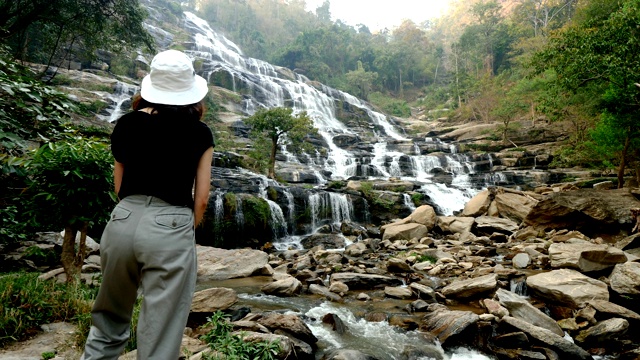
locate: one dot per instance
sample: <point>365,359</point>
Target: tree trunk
<point>272,159</point>
<point>72,261</point>
<point>623,158</point>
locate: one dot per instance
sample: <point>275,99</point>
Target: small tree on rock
<point>72,185</point>
<point>281,127</point>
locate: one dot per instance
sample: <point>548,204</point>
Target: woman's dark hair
<point>195,111</point>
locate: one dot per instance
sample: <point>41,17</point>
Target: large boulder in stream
<point>356,281</point>
<point>443,323</point>
<point>520,308</point>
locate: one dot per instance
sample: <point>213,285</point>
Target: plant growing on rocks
<point>228,345</point>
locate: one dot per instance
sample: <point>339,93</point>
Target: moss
<point>336,185</point>
<point>230,202</point>
<point>256,212</point>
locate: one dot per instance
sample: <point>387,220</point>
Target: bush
<point>26,303</point>
<point>226,345</point>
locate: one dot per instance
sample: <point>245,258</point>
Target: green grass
<point>26,303</point>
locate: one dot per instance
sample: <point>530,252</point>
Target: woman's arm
<point>118,170</point>
<point>202,185</point>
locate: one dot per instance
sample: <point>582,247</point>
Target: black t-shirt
<point>160,155</point>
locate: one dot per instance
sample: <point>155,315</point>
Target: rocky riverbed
<point>547,274</point>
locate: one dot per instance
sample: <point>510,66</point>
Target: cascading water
<point>123,92</point>
<point>270,87</point>
<point>408,203</point>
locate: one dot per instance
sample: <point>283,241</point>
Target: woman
<point>162,174</point>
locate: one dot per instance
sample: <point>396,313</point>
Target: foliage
<point>338,184</point>
<point>71,186</point>
<point>256,212</point>
<point>281,127</point>
<point>227,345</point>
<point>603,50</point>
<point>71,182</point>
<point>12,230</point>
<point>391,105</point>
<point>28,107</point>
<point>54,31</point>
<point>26,303</point>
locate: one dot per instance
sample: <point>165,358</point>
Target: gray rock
<point>286,287</point>
<point>213,299</point>
<point>567,287</point>
<point>398,292</point>
<point>487,225</point>
<point>357,281</point>
<point>625,279</point>
<point>323,291</point>
<point>221,264</point>
<point>584,255</point>
<point>471,287</point>
<point>520,308</point>
<point>565,348</point>
<point>444,323</point>
<point>604,331</point>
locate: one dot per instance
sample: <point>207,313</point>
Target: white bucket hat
<point>173,81</point>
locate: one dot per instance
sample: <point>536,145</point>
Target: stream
<point>379,339</point>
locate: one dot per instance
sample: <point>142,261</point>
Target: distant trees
<point>280,126</point>
<point>54,31</point>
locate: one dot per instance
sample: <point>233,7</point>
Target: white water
<point>379,339</point>
<point>123,92</point>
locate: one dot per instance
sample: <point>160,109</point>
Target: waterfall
<point>408,203</point>
<point>239,213</point>
<point>337,205</point>
<point>218,208</point>
<point>123,92</point>
<point>270,86</point>
<point>291,207</point>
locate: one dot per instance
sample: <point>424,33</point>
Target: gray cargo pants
<point>147,243</point>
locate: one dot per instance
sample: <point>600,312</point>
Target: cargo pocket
<point>119,213</point>
<point>174,221</point>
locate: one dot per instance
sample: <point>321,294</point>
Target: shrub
<point>227,345</point>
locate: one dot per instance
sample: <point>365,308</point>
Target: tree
<point>603,50</point>
<point>51,31</point>
<point>362,80</point>
<point>281,127</point>
<point>71,185</point>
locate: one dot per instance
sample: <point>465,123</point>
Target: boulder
<point>565,348</point>
<point>323,291</point>
<point>588,210</point>
<point>584,255</point>
<point>625,279</point>
<point>328,241</point>
<point>213,299</point>
<point>221,264</point>
<point>424,215</point>
<point>520,308</point>
<point>487,225</point>
<point>606,309</point>
<point>357,281</point>
<point>290,324</point>
<point>514,206</point>
<point>603,331</point>
<point>567,287</point>
<point>444,323</point>
<point>471,287</point>
<point>478,205</point>
<point>398,265</point>
<point>405,232</point>
<point>455,224</point>
<point>288,286</point>
<point>285,345</point>
<point>398,292</point>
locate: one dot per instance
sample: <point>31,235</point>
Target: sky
<point>378,14</point>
